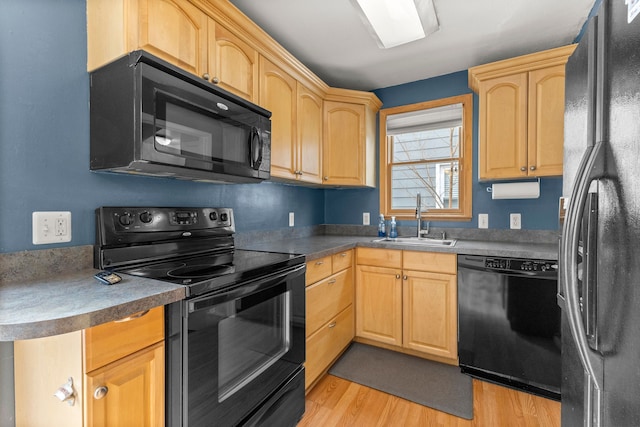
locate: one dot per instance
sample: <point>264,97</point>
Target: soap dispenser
<point>382,232</point>
<point>393,231</point>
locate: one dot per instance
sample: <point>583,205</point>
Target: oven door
<point>229,352</point>
<point>187,126</point>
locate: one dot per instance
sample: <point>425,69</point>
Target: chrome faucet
<point>419,216</point>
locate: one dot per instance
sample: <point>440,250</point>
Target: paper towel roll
<point>516,190</point>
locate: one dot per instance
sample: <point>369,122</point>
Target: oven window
<point>252,336</point>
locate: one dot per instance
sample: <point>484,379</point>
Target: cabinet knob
<point>523,169</point>
<point>326,178</point>
<point>206,76</point>
<point>215,80</point>
<point>332,281</point>
<point>404,277</point>
<point>332,325</point>
<point>397,276</point>
<point>100,392</point>
<point>319,262</point>
<point>533,168</point>
<point>343,254</point>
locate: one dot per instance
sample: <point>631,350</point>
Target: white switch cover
<point>483,220</point>
<point>291,219</point>
<point>51,227</point>
<point>515,221</point>
<point>366,218</point>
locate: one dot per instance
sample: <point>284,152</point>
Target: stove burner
<point>155,270</point>
<point>200,271</point>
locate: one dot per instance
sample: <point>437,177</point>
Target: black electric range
<point>193,247</point>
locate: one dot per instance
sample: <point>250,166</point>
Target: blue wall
<point>346,206</point>
<point>44,140</point>
<point>44,146</point>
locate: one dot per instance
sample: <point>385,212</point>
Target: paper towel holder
<point>533,195</point>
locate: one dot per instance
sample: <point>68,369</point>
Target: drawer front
<point>327,298</point>
<point>112,341</point>
<point>436,262</point>
<point>318,269</point>
<point>379,257</point>
<point>342,260</point>
<point>327,343</point>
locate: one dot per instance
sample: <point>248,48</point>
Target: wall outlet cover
<point>291,219</point>
<point>515,221</point>
<point>366,218</point>
<point>51,227</point>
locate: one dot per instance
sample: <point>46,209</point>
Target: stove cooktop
<point>206,273</point>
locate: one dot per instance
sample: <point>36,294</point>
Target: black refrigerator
<point>599,290</point>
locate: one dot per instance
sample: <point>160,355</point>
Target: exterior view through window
<point>427,150</point>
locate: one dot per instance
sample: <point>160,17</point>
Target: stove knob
<point>224,217</point>
<point>213,216</point>
<point>146,217</point>
<point>126,219</point>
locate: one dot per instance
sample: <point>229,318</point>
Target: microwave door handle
<point>254,161</point>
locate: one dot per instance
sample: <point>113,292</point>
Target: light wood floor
<point>337,402</point>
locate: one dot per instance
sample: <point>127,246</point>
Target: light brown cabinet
<point>349,141</point>
<point>176,31</point>
<point>296,124</point>
<point>521,115</point>
<point>407,301</point>
<point>117,370</point>
<point>329,312</point>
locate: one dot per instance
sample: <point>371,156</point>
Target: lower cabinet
<point>407,301</point>
<point>330,312</point>
<point>116,370</point>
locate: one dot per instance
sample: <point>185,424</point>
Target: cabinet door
<point>379,304</point>
<point>344,143</point>
<point>430,313</point>
<point>233,64</point>
<point>546,121</point>
<point>278,95</point>
<point>503,127</point>
<point>309,138</point>
<point>134,391</point>
<point>173,30</point>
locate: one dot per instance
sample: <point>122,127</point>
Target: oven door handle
<point>244,289</point>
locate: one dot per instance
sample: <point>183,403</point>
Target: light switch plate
<point>51,227</point>
<point>292,220</point>
<point>366,218</point>
<point>483,220</point>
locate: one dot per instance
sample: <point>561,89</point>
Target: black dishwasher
<point>509,322</point>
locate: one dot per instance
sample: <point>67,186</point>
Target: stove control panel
<point>149,219</point>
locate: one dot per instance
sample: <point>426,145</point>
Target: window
<point>426,148</point>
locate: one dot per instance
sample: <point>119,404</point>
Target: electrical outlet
<point>515,221</point>
<point>483,220</point>
<point>51,227</point>
<point>366,219</point>
<point>291,219</point>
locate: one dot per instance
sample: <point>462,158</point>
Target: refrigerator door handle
<point>590,169</point>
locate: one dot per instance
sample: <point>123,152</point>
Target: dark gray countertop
<point>70,302</point>
<point>319,246</point>
<point>67,298</point>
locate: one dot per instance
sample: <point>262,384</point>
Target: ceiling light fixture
<point>396,22</point>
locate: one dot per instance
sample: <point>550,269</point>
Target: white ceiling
<point>330,39</point>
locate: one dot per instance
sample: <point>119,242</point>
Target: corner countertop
<point>319,246</point>
<point>68,298</point>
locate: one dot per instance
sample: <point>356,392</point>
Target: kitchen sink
<point>419,241</point>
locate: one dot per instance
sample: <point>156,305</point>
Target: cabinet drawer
<point>342,260</point>
<point>435,262</point>
<point>114,340</point>
<point>318,269</point>
<point>327,298</point>
<point>327,343</point>
<point>379,257</point>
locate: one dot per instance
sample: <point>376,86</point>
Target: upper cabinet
<point>349,138</point>
<point>521,119</point>
<point>320,135</point>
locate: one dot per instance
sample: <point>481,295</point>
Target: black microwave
<point>149,117</point>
